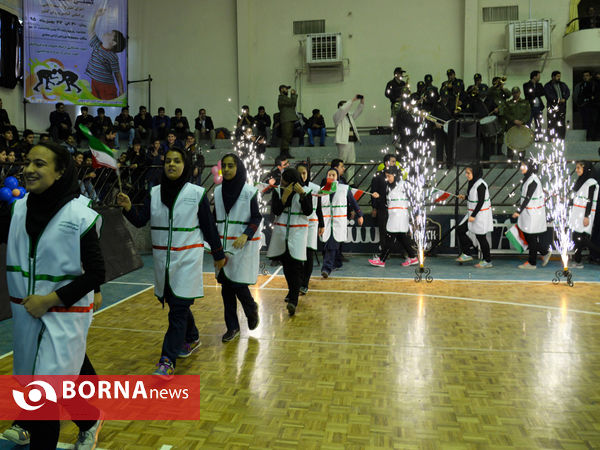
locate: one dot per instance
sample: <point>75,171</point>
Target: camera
<point>360,97</point>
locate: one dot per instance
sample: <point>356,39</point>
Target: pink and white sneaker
<point>377,262</point>
<point>410,262</point>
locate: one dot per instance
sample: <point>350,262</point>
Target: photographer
<point>346,133</point>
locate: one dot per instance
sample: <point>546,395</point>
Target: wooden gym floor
<point>372,363</point>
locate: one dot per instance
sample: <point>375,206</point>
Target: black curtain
<point>10,44</point>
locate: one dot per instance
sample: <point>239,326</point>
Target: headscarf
<point>305,165</point>
<point>477,174</point>
<point>42,207</point>
<point>291,175</point>
<point>586,175</point>
<point>169,189</point>
<point>531,169</point>
<point>232,188</point>
<point>394,171</point>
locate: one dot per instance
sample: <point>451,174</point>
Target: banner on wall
<point>76,51</point>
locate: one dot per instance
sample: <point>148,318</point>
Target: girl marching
<point>478,219</point>
<point>239,225</point>
<point>532,216</point>
<point>583,211</point>
<point>313,225</point>
<point>397,225</point>
<point>291,205</point>
<point>180,222</point>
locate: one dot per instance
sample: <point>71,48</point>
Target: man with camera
<point>346,133</point>
<point>287,117</point>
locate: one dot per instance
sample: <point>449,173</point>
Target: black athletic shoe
<point>230,335</point>
<point>303,290</point>
<point>254,320</point>
<point>325,274</point>
<point>291,308</point>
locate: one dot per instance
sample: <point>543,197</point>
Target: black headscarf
<point>169,189</point>
<point>232,188</point>
<point>586,175</point>
<point>42,207</point>
<point>477,174</point>
<point>531,169</point>
<point>394,171</point>
<point>291,175</point>
<point>305,165</point>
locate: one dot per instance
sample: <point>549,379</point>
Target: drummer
<point>516,112</point>
<point>495,101</point>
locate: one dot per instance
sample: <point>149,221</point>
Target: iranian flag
<point>357,193</point>
<point>441,196</point>
<point>516,238</point>
<point>329,188</point>
<point>264,187</point>
<point>102,155</point>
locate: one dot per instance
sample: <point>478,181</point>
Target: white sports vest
<point>579,205</point>
<point>313,221</point>
<point>335,214</point>
<point>533,218</point>
<point>397,209</point>
<point>55,343</point>
<point>177,242</point>
<point>291,227</point>
<point>242,264</point>
<point>484,221</point>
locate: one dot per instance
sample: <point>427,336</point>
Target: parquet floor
<point>372,363</point>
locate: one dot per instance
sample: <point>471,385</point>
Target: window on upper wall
<point>309,26</point>
<point>501,13</point>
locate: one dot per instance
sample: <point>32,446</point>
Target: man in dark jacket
<point>587,98</point>
<point>287,117</point>
<point>533,92</point>
<point>60,123</point>
<point>315,126</point>
<point>204,128</point>
<point>557,94</point>
<point>142,123</point>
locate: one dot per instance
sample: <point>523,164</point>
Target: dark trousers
<point>382,217</point>
<point>307,267</point>
<point>535,245</point>
<point>442,147</point>
<point>44,434</point>
<point>292,270</point>
<point>466,244</point>
<point>332,255</point>
<point>582,241</point>
<point>182,327</point>
<point>230,291</point>
<point>401,241</point>
<point>557,120</point>
<point>537,115</point>
<point>589,115</point>
<point>287,131</point>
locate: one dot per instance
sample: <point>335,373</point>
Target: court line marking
<point>411,277</point>
<point>270,278</point>
<point>166,447</point>
<point>62,445</point>
<point>129,283</point>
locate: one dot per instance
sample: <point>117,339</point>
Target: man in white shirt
<point>346,133</point>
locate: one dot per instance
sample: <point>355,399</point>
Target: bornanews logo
<point>127,397</point>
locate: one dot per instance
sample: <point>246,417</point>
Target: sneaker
<point>17,435</point>
<point>230,335</point>
<point>575,265</point>
<point>325,274</point>
<point>526,266</point>
<point>377,262</point>
<point>546,258</point>
<point>164,367</point>
<point>287,299</point>
<point>291,309</point>
<point>410,262</point>
<point>254,320</point>
<point>303,290</point>
<point>464,258</point>
<point>87,440</point>
<point>188,348</point>
<point>484,265</point>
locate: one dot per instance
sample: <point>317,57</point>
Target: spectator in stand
<point>315,126</point>
<point>83,119</point>
<point>197,157</point>
<point>60,123</point>
<point>71,145</point>
<point>87,176</point>
<point>300,128</point>
<point>101,124</point>
<point>586,96</point>
<point>244,121</point>
<point>161,124</point>
<point>25,144</point>
<point>204,128</point>
<point>13,169</point>
<point>274,176</point>
<point>44,138</point>
<point>5,121</point>
<point>110,138</point>
<point>590,20</point>
<point>154,164</point>
<point>136,161</point>
<point>276,132</point>
<point>171,142</point>
<point>142,123</point>
<point>7,140</point>
<point>180,124</point>
<point>3,159</point>
<point>533,92</point>
<point>557,94</point>
<point>346,133</point>
<point>262,123</point>
<point>124,126</point>
<point>287,117</point>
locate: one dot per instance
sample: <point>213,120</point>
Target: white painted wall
<point>195,49</point>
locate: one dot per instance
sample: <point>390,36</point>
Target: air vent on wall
<point>501,13</point>
<point>309,26</point>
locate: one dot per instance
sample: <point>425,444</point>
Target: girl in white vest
<point>532,216</point>
<point>478,221</point>
<point>53,262</point>
<point>180,221</point>
<point>291,206</point>
<point>397,224</point>
<point>332,211</point>
<point>583,211</point>
<point>239,225</point>
<point>313,225</point>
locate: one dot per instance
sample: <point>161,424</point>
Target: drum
<point>489,126</point>
<point>519,137</point>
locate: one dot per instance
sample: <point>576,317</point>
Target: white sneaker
<point>546,258</point>
<point>527,266</point>
<point>17,435</point>
<point>87,440</point>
